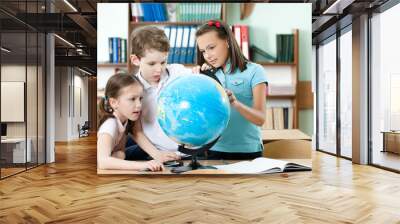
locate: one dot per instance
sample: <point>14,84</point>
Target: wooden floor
<point>386,159</point>
<point>69,191</point>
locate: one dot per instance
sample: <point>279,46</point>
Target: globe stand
<point>194,164</point>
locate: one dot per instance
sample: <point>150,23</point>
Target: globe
<point>193,110</point>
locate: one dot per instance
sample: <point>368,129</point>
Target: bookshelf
<point>276,64</point>
<point>300,95</point>
<point>292,72</point>
<point>133,25</point>
<point>112,65</point>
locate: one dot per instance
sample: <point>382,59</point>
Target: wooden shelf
<point>280,96</point>
<point>276,64</point>
<point>112,65</point>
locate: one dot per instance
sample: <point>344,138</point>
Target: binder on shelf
<point>172,42</point>
<point>190,59</point>
<point>244,32</point>
<point>167,31</point>
<point>110,50</point>
<point>178,45</point>
<point>238,36</point>
<point>185,43</point>
<point>119,50</point>
<point>115,49</point>
<point>136,12</point>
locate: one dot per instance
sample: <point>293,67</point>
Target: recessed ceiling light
<point>70,5</point>
<point>64,40</point>
<point>5,50</point>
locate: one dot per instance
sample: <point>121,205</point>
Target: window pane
<point>386,88</point>
<point>327,97</point>
<point>31,98</point>
<point>13,85</point>
<point>346,94</point>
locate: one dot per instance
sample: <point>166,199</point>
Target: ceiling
<point>76,22</point>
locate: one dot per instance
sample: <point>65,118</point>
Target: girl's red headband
<point>216,23</point>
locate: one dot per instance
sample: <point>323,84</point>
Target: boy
<point>149,52</point>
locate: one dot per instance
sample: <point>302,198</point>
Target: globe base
<point>194,164</point>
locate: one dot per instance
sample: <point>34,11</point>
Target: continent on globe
<point>193,110</point>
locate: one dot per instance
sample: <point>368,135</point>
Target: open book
<point>262,165</point>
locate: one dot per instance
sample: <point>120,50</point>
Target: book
<point>269,119</point>
<point>244,32</point>
<point>262,165</point>
<point>285,48</point>
<point>258,51</point>
<point>278,118</point>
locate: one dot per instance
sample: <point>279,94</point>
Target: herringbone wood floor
<point>70,191</point>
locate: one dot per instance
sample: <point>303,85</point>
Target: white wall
<point>314,90</point>
<point>61,103</point>
<point>17,73</point>
<point>68,81</point>
<point>112,21</point>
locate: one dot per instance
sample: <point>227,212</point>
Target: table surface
<point>289,134</point>
<point>391,132</point>
<point>305,162</point>
<point>13,140</point>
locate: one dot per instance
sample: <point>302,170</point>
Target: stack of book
<point>197,12</point>
<point>182,42</point>
<point>148,12</point>
<point>175,12</point>
<point>279,115</point>
<point>117,50</point>
<point>285,48</point>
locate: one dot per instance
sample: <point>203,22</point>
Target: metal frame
<point>37,164</point>
<point>389,4</point>
<point>339,32</point>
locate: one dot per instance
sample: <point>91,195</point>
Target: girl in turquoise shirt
<point>245,83</point>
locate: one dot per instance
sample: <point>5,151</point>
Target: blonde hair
<point>148,37</point>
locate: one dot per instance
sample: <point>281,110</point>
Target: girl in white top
<point>119,108</point>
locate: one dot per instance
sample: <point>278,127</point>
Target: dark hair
<point>225,33</point>
<point>148,37</point>
<point>113,89</point>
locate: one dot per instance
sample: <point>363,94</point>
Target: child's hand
<point>153,165</point>
<point>232,99</point>
<point>197,69</point>
<point>205,66</point>
<point>165,156</point>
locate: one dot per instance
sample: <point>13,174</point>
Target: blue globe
<point>193,110</point>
